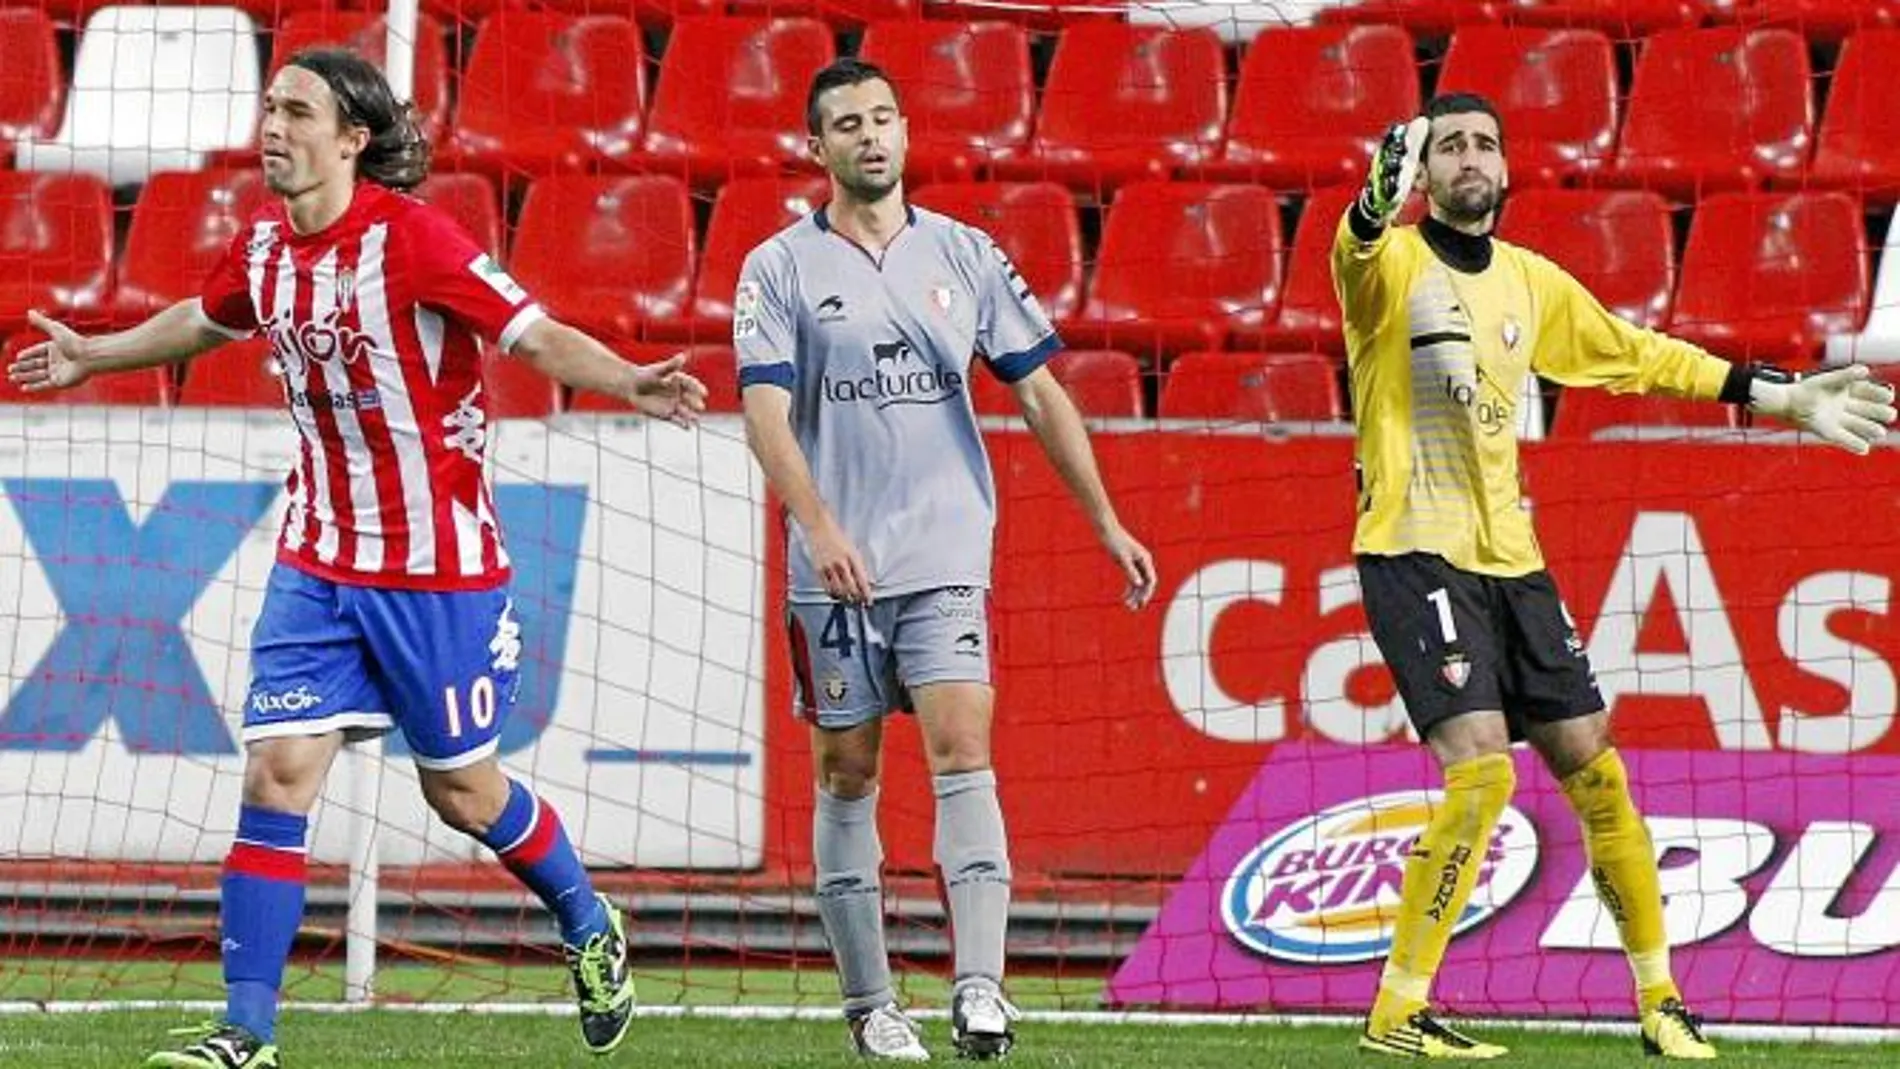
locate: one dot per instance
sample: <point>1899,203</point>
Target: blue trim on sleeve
<point>780,375</point>
<point>1016,367</point>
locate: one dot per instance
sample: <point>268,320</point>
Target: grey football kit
<point>876,353</point>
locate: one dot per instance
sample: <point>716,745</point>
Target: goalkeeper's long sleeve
<point>1587,345</point>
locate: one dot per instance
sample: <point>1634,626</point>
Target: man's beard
<point>871,190</point>
<point>1470,204</point>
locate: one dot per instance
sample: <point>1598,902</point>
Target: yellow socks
<point>1439,875</point>
<point>1623,864</point>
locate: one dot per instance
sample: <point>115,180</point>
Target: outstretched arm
<point>574,359</point>
<point>67,358</point>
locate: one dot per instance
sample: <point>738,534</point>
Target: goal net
<point>1209,801</point>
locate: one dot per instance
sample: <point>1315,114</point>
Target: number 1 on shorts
<point>1441,599</point>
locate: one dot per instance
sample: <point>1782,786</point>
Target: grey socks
<point>851,898</point>
<point>973,854</point>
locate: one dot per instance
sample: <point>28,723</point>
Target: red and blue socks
<point>261,906</point>
<point>529,839</point>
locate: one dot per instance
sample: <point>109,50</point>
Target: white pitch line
<point>1777,1033</point>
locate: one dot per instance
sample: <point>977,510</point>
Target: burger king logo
<point>1326,889</point>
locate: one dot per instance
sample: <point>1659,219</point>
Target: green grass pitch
<point>388,1039</point>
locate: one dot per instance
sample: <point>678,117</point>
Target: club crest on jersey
<point>1512,333</point>
<point>1456,670</point>
<point>942,296</point>
<point>1325,888</point>
<point>345,289</point>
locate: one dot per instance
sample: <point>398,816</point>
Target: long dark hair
<point>397,156</point>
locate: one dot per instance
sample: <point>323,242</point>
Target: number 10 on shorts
<point>481,706</point>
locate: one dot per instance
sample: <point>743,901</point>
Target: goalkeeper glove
<point>1394,170</point>
<point>1843,407</point>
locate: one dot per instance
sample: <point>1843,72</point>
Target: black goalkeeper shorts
<point>1458,642</point>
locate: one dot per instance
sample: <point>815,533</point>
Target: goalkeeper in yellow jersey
<point>1442,323</point>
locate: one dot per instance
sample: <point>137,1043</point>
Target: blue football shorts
<point>443,666</point>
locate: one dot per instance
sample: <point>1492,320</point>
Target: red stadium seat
<point>149,386</point>
<point>511,389</point>
<point>32,85</point>
<point>747,211</point>
<point>1717,109</point>
<point>1181,265</point>
<point>1124,103</point>
<point>367,33</point>
<point>1769,276</point>
<point>240,374</point>
<point>1584,412</point>
<point>1556,90</point>
<point>1312,104</point>
<point>1103,383</point>
<point>967,90</point>
<point>1621,19</point>
<point>714,365</point>
<point>1309,309</point>
<point>55,246</point>
<point>470,200</point>
<point>1860,134</point>
<point>550,92</point>
<point>606,254</point>
<point>182,227</point>
<point>1427,18</point>
<point>1617,243</point>
<point>731,99</point>
<point>1820,21</point>
<point>1254,387</point>
<point>1035,225</point>
<point>845,14</point>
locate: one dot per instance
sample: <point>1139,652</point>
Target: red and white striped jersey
<point>373,321</point>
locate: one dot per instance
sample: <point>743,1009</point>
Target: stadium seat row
<point>546,91</point>
<point>1181,266</point>
<point>1823,20</point>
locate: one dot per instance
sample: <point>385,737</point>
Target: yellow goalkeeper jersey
<point>1437,359</point>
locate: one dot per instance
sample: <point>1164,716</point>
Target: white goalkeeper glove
<point>1394,170</point>
<point>1843,407</point>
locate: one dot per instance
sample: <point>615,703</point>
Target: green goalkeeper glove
<point>1842,407</point>
<point>1394,170</point>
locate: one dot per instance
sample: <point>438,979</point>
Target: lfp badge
<point>1326,889</point>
